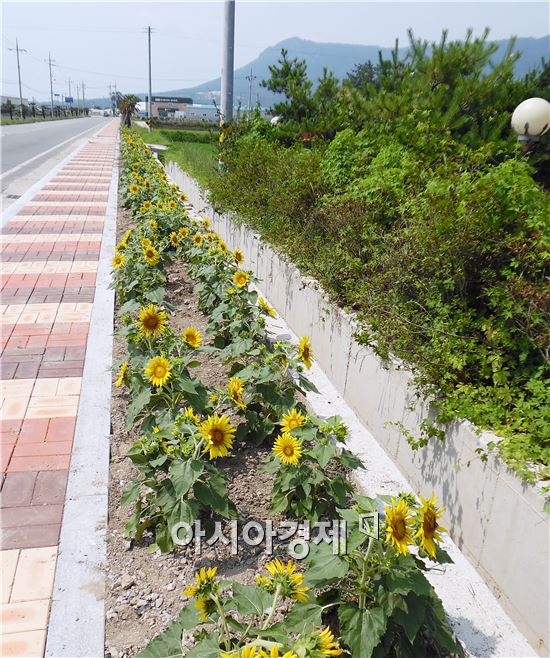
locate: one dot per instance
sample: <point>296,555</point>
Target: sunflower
<point>147,183</point>
<point>304,351</point>
<point>121,374</point>
<point>240,278</point>
<point>118,261</point>
<point>173,204</point>
<point>134,188</point>
<point>219,435</point>
<point>153,225</point>
<point>286,576</point>
<point>174,239</point>
<point>189,414</point>
<point>429,530</point>
<point>235,387</point>
<point>248,651</point>
<point>183,232</point>
<point>238,256</point>
<point>292,420</point>
<point>183,197</point>
<point>160,205</point>
<point>158,371</point>
<point>146,242</point>
<point>152,321</point>
<point>222,246</point>
<point>147,204</point>
<point>206,607</point>
<point>274,653</point>
<point>151,255</point>
<point>288,449</point>
<point>197,239</point>
<point>206,223</point>
<point>206,582</point>
<point>326,643</point>
<point>267,307</point>
<point>192,337</point>
<point>398,526</point>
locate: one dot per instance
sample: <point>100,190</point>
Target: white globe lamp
<point>531,119</point>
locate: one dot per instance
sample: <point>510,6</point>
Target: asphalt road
<point>25,146</point>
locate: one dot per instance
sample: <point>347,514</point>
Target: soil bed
<point>144,590</point>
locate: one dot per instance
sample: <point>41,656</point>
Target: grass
<point>198,159</point>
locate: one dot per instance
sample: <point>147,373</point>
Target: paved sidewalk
<point>50,255</point>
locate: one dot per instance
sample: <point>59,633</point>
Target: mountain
<point>340,58</point>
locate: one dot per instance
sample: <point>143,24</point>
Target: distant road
<point>27,145</point>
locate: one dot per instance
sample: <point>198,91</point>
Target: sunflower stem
<point>225,628</point>
<point>364,575</point>
<point>273,606</point>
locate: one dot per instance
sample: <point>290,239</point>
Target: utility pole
<point>77,100</point>
<point>83,98</point>
<point>228,62</point>
<point>18,50</point>
<point>150,104</point>
<point>51,82</point>
<point>250,79</point>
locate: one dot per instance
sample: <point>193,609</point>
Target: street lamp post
<point>531,120</point>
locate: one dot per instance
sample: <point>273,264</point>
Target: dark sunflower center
<point>288,450</point>
<point>151,322</point>
<point>399,529</point>
<point>160,371</point>
<point>217,437</point>
<point>429,523</point>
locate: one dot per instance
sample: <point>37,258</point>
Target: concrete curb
<point>77,619</point>
<point>497,521</point>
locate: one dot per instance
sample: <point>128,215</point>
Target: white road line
<point>40,155</point>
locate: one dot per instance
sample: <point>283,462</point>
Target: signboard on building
<point>69,100</point>
<point>170,99</point>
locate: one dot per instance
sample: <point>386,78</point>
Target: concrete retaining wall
<point>497,520</point>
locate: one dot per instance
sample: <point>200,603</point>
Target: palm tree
<point>127,106</point>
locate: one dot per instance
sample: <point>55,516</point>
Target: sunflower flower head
<point>205,583</point>
<point>326,644</point>
<point>183,197</point>
<point>153,225</point>
<point>240,278</point>
<point>219,435</point>
<point>118,261</point>
<point>304,351</point>
<point>134,189</point>
<point>151,255</point>
<point>158,371</point>
<point>288,449</point>
<point>189,414</point>
<point>429,528</point>
<point>147,205</point>
<point>292,420</point>
<point>286,578</point>
<point>152,321</point>
<point>197,239</point>
<point>192,337</point>
<point>206,223</point>
<point>121,374</point>
<point>183,232</point>
<point>173,204</point>
<point>266,307</point>
<point>248,651</point>
<point>398,526</point>
<point>235,387</point>
<point>238,256</point>
<point>174,239</point>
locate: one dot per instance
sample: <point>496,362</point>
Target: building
<point>14,100</point>
<point>208,113</point>
<point>165,107</point>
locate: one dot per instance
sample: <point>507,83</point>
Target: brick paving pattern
<point>49,259</point>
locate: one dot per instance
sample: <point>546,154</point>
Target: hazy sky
<point>104,43</point>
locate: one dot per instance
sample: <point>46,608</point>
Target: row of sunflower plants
<point>374,593</point>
